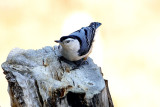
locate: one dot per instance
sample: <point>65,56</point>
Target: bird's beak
<point>57,41</point>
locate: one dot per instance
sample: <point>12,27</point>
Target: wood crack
<point>39,95</point>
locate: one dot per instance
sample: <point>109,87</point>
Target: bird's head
<point>68,42</point>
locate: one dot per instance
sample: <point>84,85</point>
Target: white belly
<point>72,55</point>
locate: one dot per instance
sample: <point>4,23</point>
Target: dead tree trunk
<point>37,78</point>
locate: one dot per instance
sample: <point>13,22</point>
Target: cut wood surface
<point>37,78</point>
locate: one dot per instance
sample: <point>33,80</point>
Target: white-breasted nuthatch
<point>78,44</point>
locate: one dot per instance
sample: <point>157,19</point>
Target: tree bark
<point>38,78</point>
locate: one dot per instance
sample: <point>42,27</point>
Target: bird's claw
<point>75,64</point>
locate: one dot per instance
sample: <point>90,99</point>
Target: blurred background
<point>127,45</point>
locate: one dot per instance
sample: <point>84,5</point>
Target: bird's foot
<point>80,62</point>
<point>75,64</point>
<point>61,58</point>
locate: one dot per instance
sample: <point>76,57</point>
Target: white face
<point>72,44</point>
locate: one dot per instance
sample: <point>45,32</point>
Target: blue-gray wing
<point>85,35</point>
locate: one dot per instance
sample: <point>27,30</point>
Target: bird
<point>78,45</point>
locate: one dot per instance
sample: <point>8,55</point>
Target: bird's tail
<point>91,31</point>
<point>95,25</point>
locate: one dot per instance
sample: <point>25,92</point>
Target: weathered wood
<point>37,78</point>
<point>109,95</point>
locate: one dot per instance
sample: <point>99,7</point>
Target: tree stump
<point>37,78</point>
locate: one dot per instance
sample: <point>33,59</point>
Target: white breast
<point>70,51</point>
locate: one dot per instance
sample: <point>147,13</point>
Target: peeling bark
<point>37,78</point>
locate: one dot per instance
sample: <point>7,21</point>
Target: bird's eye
<point>67,41</point>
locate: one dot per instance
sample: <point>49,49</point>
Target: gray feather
<point>85,36</point>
